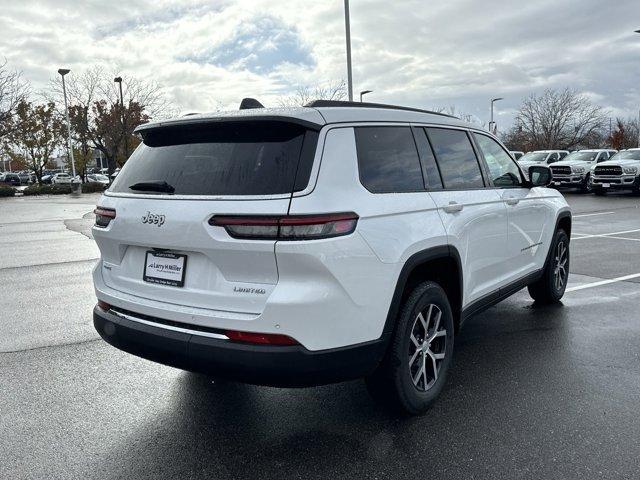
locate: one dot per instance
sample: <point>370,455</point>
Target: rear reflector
<point>104,216</point>
<point>288,227</point>
<point>260,338</point>
<point>104,306</point>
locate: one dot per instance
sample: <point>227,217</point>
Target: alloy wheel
<point>560,272</point>
<point>427,347</point>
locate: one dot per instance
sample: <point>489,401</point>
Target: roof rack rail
<point>342,103</point>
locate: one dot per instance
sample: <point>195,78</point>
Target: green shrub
<point>7,191</point>
<point>47,190</point>
<point>92,187</point>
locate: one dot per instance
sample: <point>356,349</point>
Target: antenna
<point>248,103</point>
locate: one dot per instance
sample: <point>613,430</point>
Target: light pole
<point>491,122</point>
<point>63,72</point>
<point>347,27</point>
<point>364,92</point>
<point>638,31</point>
<point>118,80</point>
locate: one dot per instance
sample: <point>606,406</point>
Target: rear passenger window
<point>388,159</point>
<point>455,156</point>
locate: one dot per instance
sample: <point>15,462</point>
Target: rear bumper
<point>287,366</point>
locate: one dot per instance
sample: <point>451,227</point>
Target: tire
<point>586,185</point>
<point>551,286</point>
<point>409,357</point>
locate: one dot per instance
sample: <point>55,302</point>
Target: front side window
<point>554,157</point>
<point>456,159</point>
<point>388,159</point>
<point>502,169</point>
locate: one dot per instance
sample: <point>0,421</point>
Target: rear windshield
<point>242,158</point>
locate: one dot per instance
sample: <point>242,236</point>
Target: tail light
<point>104,216</point>
<point>288,227</point>
<point>260,338</point>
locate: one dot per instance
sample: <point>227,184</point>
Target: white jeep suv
<point>304,246</point>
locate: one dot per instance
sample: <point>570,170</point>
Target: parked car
<point>319,244</point>
<point>620,172</point>
<point>24,177</point>
<point>10,178</point>
<point>575,169</point>
<point>541,157</point>
<point>61,179</point>
<point>516,154</point>
<point>98,178</point>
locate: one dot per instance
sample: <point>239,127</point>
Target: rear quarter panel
<point>358,273</point>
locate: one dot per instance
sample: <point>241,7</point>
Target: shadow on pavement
<point>227,430</point>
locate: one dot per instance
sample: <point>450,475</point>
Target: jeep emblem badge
<point>154,219</point>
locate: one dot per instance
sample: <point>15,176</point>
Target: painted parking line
<point>593,214</point>
<point>586,235</point>
<point>603,282</point>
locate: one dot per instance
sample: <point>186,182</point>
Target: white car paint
<point>326,293</point>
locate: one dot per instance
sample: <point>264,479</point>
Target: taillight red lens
<point>289,227</point>
<point>104,216</point>
<point>260,338</point>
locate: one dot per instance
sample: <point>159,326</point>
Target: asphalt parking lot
<point>549,392</point>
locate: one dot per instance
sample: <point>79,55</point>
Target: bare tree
<point>97,117</point>
<point>13,90</point>
<point>305,94</point>
<point>466,117</point>
<point>561,119</point>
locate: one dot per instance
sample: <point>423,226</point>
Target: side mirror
<point>539,176</point>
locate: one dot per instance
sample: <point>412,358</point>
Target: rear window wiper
<point>153,186</point>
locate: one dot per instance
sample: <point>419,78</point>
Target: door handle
<point>511,201</point>
<point>453,207</point>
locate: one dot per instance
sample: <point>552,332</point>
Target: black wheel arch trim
<point>420,258</point>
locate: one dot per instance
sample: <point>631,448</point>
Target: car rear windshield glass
<point>231,158</point>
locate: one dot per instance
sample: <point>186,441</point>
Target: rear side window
<point>230,158</point>
<point>458,164</point>
<point>388,159</point>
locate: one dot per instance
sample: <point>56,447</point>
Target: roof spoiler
<point>248,103</point>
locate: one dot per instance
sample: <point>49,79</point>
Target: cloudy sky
<point>412,52</point>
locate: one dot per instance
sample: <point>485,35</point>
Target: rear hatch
<point>161,245</point>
